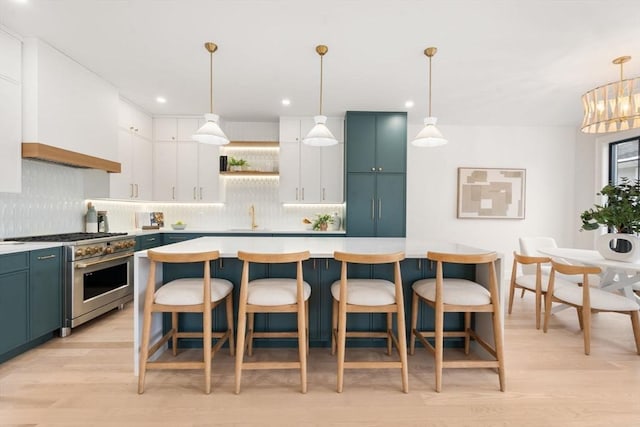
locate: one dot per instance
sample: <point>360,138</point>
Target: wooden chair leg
<point>439,338</point>
<point>586,320</point>
<point>538,308</point>
<point>580,317</point>
<point>242,326</point>
<point>389,332</point>
<point>229,310</point>
<point>334,325</point>
<point>522,293</point>
<point>174,327</point>
<point>547,312</point>
<point>499,347</point>
<point>251,322</point>
<point>302,347</point>
<point>306,323</point>
<point>402,342</point>
<point>512,291</point>
<point>144,350</point>
<point>206,347</point>
<point>342,340</point>
<point>635,323</point>
<point>467,329</point>
<point>414,323</point>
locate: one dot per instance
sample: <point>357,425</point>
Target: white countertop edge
<point>319,247</point>
<point>138,232</point>
<point>15,247</point>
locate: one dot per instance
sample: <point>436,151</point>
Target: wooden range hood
<point>48,153</point>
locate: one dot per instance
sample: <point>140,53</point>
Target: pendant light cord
<point>430,86</point>
<point>321,57</point>
<point>211,82</point>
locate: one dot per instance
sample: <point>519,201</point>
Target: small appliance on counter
<point>91,219</point>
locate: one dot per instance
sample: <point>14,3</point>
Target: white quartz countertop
<point>13,247</point>
<point>168,229</point>
<point>319,247</point>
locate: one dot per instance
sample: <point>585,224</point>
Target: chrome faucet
<point>252,212</point>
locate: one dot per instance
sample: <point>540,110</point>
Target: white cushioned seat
<point>455,291</point>
<point>191,292</point>
<point>371,292</point>
<point>275,291</point>
<point>600,299</point>
<point>529,281</point>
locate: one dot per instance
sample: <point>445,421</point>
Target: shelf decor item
<point>322,221</point>
<point>210,132</point>
<point>620,213</point>
<point>491,193</point>
<point>237,164</point>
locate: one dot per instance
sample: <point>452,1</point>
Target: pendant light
<point>429,136</point>
<point>320,135</point>
<point>210,132</point>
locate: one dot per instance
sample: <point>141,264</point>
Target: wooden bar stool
<point>369,296</point>
<point>272,295</point>
<point>189,295</point>
<point>459,295</point>
<point>586,299</point>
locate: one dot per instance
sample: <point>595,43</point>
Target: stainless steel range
<point>98,273</point>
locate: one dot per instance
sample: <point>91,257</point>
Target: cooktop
<point>64,237</point>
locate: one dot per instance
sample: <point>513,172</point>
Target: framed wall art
<point>491,193</point>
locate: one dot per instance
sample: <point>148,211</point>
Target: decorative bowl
<point>178,226</point>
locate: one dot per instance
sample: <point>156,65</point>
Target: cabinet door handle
<point>373,209</point>
<point>379,208</point>
<point>296,193</point>
<point>200,193</point>
<point>302,193</point>
<point>46,257</point>
<point>131,191</point>
<point>151,239</point>
<point>220,263</point>
<point>173,193</point>
<point>194,194</point>
<point>324,195</point>
<point>136,190</point>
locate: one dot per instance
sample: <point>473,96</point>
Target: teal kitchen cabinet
<point>148,241</point>
<point>376,174</point>
<point>14,302</point>
<point>45,291</point>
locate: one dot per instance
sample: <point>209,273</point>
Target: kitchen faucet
<point>252,212</point>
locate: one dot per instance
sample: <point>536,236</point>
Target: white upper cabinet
<point>10,114</point>
<point>134,154</point>
<point>66,105</point>
<point>310,174</point>
<point>183,170</point>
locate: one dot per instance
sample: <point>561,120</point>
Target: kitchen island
<point>320,272</point>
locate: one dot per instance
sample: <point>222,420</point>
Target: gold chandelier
<point>613,107</point>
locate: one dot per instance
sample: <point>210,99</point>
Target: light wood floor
<point>86,379</point>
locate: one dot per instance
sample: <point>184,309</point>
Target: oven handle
<point>89,264</point>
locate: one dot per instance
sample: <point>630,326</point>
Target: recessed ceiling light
<point>161,100</point>
<point>286,101</point>
<point>408,104</point>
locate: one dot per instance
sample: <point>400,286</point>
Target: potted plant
<point>237,164</point>
<point>620,213</point>
<point>322,222</point>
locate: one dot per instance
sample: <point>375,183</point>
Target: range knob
<point>130,243</point>
<point>80,252</point>
<point>108,250</point>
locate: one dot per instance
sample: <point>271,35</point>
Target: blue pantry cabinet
<point>376,159</point>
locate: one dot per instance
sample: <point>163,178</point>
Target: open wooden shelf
<point>249,173</point>
<point>254,144</point>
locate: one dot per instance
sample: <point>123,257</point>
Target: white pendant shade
<point>320,135</point>
<point>210,132</point>
<point>429,136</point>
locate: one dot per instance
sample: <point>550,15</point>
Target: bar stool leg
<point>439,338</point>
<point>252,317</point>
<point>229,310</point>
<point>389,332</point>
<point>174,336</point>
<point>302,346</point>
<point>467,335</point>
<point>402,341</point>
<point>499,344</point>
<point>206,346</point>
<point>334,325</point>
<point>342,339</point>
<point>414,322</point>
<point>242,326</point>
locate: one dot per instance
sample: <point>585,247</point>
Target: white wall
<point>547,154</point>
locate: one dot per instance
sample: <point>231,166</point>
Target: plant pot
<point>323,226</point>
<point>235,168</point>
<point>619,247</point>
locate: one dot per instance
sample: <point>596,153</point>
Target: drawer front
<point>14,262</point>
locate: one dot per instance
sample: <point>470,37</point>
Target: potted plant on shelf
<point>322,221</point>
<point>620,213</point>
<point>236,165</point>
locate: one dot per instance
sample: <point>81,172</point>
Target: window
<point>624,160</point>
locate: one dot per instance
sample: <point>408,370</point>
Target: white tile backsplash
<point>52,201</point>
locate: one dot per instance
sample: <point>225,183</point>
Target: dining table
<point>619,276</point>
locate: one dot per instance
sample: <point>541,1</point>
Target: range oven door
<point>98,286</point>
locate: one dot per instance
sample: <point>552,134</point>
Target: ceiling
<point>499,62</point>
